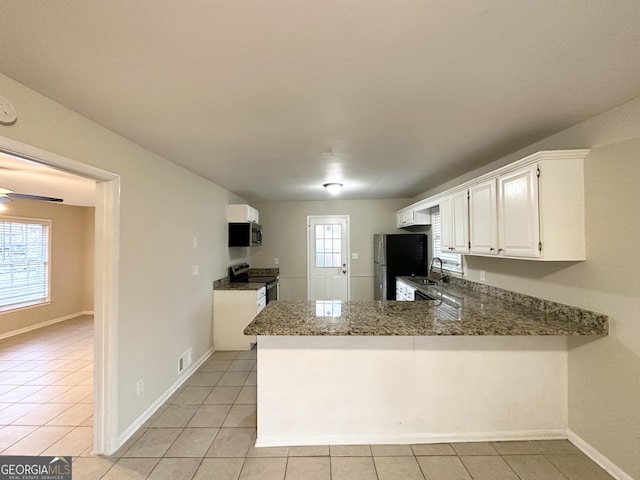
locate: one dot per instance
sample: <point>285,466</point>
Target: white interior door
<point>328,257</point>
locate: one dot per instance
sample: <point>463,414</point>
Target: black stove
<point>242,274</point>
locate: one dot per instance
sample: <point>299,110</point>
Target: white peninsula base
<point>319,390</point>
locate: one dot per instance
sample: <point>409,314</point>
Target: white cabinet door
<point>446,225</point>
<point>460,226</point>
<point>400,219</point>
<point>483,228</point>
<point>518,213</point>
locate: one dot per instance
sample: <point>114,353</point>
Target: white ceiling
<point>250,93</point>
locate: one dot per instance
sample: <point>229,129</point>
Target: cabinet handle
<point>500,250</point>
<point>491,249</point>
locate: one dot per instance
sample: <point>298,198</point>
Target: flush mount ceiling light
<point>333,188</point>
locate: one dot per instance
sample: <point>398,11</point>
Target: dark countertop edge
<point>466,287</point>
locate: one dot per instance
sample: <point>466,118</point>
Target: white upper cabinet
<point>454,222</point>
<point>531,209</point>
<point>518,213</point>
<point>241,213</point>
<point>483,214</point>
<point>410,217</point>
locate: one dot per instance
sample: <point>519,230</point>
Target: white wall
<point>71,279</point>
<point>285,237</point>
<point>163,309</point>
<point>604,374</point>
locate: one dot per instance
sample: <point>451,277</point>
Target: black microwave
<point>245,234</point>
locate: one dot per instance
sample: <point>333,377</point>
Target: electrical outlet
<point>140,387</point>
<point>482,276</point>
<point>195,269</point>
<point>354,256</point>
<point>195,242</point>
<point>276,261</point>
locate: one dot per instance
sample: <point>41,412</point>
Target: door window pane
<point>328,245</point>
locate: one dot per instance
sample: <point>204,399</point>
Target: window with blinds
<point>450,261</point>
<point>24,262</point>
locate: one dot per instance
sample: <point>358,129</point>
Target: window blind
<point>24,262</point>
<point>450,261</point>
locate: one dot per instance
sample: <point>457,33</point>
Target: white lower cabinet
<point>233,310</point>
<point>404,292</point>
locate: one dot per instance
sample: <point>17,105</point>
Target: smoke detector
<point>8,113</point>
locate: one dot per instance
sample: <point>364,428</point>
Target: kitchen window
<point>24,262</point>
<point>450,261</point>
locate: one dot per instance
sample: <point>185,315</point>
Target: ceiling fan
<point>8,195</point>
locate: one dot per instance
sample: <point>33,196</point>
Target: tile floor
<point>206,430</point>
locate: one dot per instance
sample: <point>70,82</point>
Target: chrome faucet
<point>443,276</point>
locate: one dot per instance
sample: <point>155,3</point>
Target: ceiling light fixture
<point>333,188</point>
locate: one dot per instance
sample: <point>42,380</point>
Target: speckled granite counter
<point>459,309</point>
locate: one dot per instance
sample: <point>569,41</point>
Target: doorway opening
<point>106,233</point>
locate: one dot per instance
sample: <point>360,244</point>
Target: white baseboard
<point>124,436</point>
<point>412,438</point>
<point>42,324</point>
<point>611,468</point>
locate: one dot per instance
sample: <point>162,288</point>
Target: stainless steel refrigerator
<point>397,255</point>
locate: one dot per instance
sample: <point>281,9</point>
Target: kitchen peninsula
<point>476,363</point>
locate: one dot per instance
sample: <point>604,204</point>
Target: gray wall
<point>285,238</point>
<point>604,374</point>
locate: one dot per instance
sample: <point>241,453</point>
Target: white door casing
<point>328,257</point>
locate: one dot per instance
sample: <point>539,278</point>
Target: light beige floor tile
<point>192,442</point>
<point>578,467</point>
<point>350,450</point>
<point>74,394</point>
<point>247,355</point>
<point>130,441</point>
<point>443,468</point>
<point>74,415</point>
<point>268,452</point>
<point>488,467</point>
<point>131,469</point>
<point>230,379</point>
<point>74,378</point>
<point>232,442</point>
<point>474,448</point>
<point>241,416</point>
<point>37,441</point>
<point>216,366</point>
<point>263,469</point>
<point>19,393</point>
<point>91,468</point>
<point>210,416</point>
<point>252,380</point>
<point>74,443</point>
<point>204,379</point>
<point>175,469</point>
<point>433,449</point>
<point>48,393</point>
<point>247,396</point>
<point>153,443</point>
<point>175,416</point>
<point>219,469</point>
<point>223,395</point>
<point>15,411</point>
<point>391,450</point>
<point>7,388</point>
<point>12,434</point>
<point>538,447</point>
<point>241,366</point>
<point>309,451</point>
<point>308,468</point>
<point>353,468</point>
<point>392,468</point>
<point>192,396</point>
<point>224,355</point>
<point>533,467</point>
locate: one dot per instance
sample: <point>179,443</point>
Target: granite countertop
<point>226,284</point>
<point>459,309</point>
